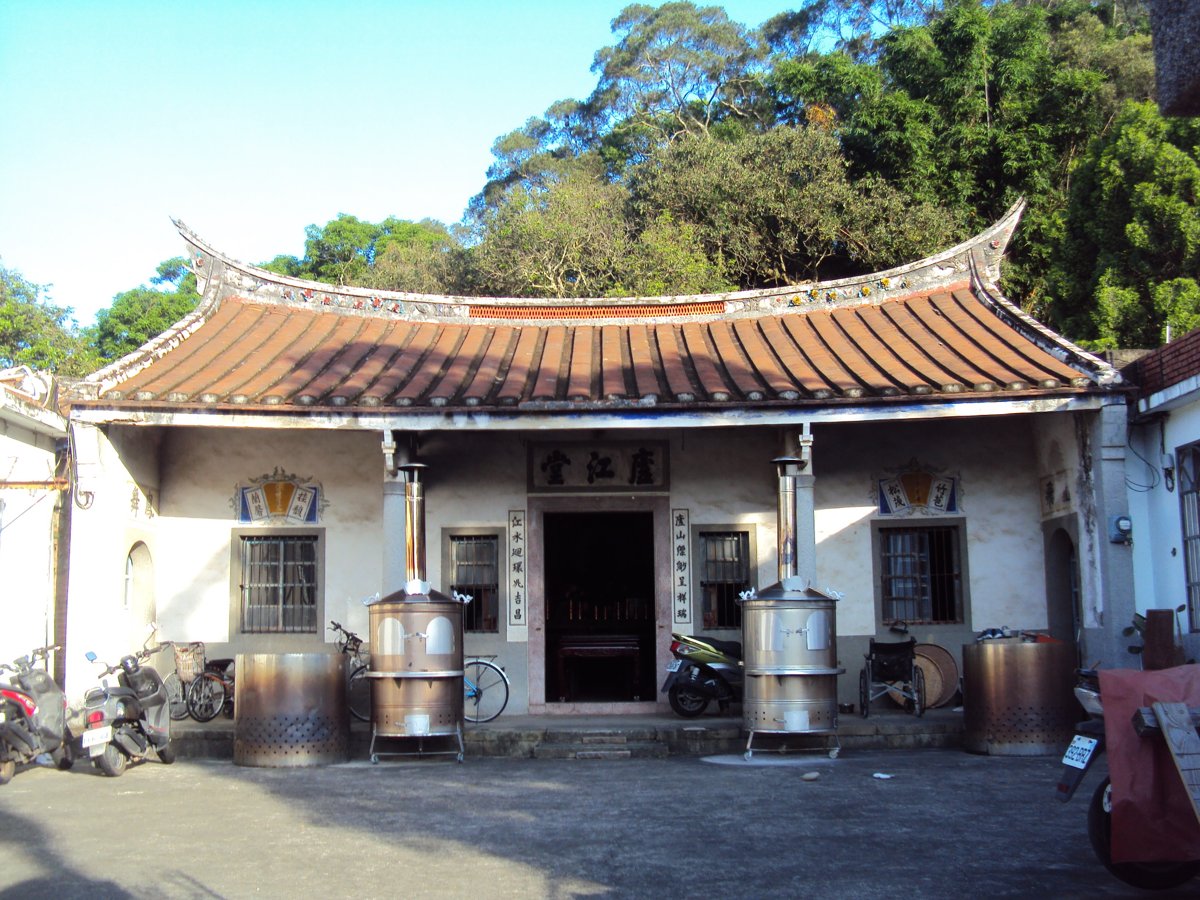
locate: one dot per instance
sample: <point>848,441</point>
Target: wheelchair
<point>891,668</point>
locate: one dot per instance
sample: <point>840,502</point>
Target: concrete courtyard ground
<point>945,824</point>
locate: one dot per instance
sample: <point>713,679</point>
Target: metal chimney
<point>414,529</point>
<point>786,467</point>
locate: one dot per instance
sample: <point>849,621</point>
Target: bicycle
<point>189,662</point>
<point>358,685</point>
<point>485,690</point>
<point>212,691</point>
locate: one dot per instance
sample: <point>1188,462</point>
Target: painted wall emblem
<point>916,489</point>
<point>279,499</point>
<point>1056,494</point>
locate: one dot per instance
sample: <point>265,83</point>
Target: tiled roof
<point>1167,366</point>
<point>929,332</point>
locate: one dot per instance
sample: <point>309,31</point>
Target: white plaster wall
<point>994,460</point>
<point>118,513</point>
<point>26,545</point>
<point>201,471</point>
<point>1159,574</point>
<point>721,476</point>
<point>724,476</point>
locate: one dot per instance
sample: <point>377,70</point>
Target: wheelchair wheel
<point>918,685</point>
<point>864,691</point>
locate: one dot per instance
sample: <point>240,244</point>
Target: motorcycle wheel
<point>8,768</point>
<point>686,701</point>
<point>112,762</point>
<point>1153,876</point>
<point>63,759</point>
<point>166,754</point>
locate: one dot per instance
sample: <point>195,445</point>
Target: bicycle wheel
<point>206,697</point>
<point>485,691</point>
<point>358,694</point>
<point>176,698</point>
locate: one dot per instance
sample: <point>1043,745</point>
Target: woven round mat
<point>931,655</point>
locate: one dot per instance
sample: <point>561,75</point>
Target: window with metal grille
<point>279,583</point>
<point>1188,467</point>
<point>920,575</point>
<point>724,573</point>
<point>474,570</point>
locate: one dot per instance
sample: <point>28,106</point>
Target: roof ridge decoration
<point>219,275</point>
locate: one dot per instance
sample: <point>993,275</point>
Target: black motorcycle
<point>129,721</point>
<point>704,669</point>
<point>32,716</point>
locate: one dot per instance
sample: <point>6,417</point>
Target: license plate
<point>1079,754</point>
<point>673,665</point>
<point>97,737</point>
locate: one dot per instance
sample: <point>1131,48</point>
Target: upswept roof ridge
<point>931,331</point>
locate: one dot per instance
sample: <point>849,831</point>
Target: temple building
<point>601,470</point>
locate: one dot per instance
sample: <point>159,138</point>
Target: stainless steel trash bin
<point>789,642</point>
<point>1018,698</point>
<point>290,710</point>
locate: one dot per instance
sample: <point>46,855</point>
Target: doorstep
<point>520,736</point>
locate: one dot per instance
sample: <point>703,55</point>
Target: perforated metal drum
<point>1017,697</point>
<point>290,710</point>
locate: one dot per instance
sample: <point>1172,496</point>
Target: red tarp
<point>1152,817</point>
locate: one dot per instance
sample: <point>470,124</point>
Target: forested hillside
<point>840,137</point>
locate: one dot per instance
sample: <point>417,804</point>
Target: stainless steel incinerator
<point>416,645</point>
<point>789,642</point>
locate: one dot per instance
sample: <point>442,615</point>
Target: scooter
<point>130,720</point>
<point>32,716</point>
<point>1085,748</point>
<point>704,669</point>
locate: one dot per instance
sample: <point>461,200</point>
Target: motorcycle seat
<point>729,648</point>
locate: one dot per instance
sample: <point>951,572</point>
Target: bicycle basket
<point>189,661</point>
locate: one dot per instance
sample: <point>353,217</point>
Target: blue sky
<point>251,119</point>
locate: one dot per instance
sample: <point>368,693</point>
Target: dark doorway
<point>599,588</point>
<point>1063,609</point>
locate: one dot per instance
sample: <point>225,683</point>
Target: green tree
<point>780,207</point>
<point>563,240</point>
<point>423,257</point>
<point>1129,261</point>
<point>140,314</point>
<point>982,104</point>
<point>35,332</point>
<point>678,69</point>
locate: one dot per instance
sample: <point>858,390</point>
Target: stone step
<point>592,750</point>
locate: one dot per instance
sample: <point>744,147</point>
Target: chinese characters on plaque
<point>279,498</point>
<point>681,569</point>
<point>917,492</point>
<point>599,466</point>
<point>518,595</point>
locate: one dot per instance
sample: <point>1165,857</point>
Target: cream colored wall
<point>721,475</point>
<point>26,548</point>
<point>994,460</point>
<point>201,471</point>
<point>116,511</point>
